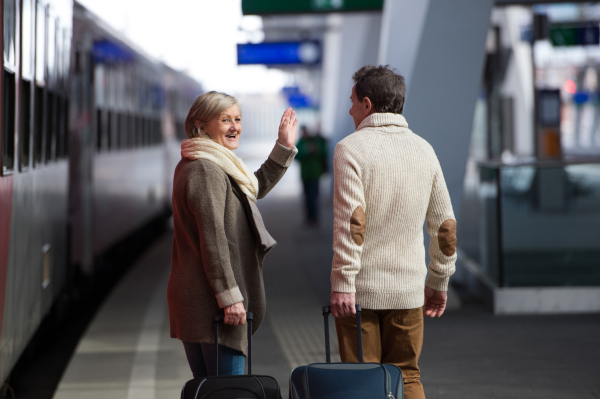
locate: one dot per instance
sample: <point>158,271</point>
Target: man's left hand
<point>342,304</point>
<point>435,302</point>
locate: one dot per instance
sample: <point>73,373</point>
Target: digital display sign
<point>280,53</point>
<point>266,7</point>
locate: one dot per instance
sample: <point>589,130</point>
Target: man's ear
<point>368,105</point>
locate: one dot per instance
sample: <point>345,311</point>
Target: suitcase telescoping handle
<point>221,317</point>
<point>326,311</point>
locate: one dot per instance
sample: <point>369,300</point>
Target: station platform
<point>127,352</point>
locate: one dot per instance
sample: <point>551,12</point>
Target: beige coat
<point>218,249</point>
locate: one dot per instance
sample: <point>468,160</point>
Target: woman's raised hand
<point>287,128</point>
<point>235,314</point>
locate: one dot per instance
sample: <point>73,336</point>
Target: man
<point>312,155</point>
<point>388,181</point>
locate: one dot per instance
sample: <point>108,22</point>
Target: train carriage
<point>90,133</point>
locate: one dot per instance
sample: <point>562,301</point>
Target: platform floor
<point>127,352</point>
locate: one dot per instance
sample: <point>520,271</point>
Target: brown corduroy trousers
<point>389,336</point>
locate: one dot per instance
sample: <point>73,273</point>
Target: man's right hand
<point>235,314</point>
<point>435,302</point>
<point>342,304</point>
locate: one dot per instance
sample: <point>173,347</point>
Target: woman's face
<point>225,129</point>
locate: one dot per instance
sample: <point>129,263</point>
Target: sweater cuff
<point>283,155</point>
<point>437,283</point>
<point>229,297</point>
<point>342,284</point>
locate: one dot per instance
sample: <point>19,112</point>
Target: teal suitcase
<point>346,380</point>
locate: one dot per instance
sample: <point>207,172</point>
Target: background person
<point>312,155</point>
<point>220,240</point>
<point>387,182</point>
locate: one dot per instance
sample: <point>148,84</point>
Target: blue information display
<point>280,53</point>
<point>106,51</point>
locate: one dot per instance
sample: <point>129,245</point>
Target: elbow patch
<point>358,225</point>
<point>447,237</point>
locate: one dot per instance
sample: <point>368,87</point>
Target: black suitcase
<point>233,386</point>
<point>346,380</point>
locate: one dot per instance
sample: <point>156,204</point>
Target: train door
<point>81,153</point>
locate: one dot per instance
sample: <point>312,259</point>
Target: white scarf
<point>205,148</point>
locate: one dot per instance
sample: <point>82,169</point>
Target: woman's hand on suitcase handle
<point>342,304</point>
<point>235,314</point>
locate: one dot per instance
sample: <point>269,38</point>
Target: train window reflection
<point>40,46</point>
<point>25,125</point>
<point>38,125</point>
<point>9,31</point>
<point>8,122</point>
<point>27,38</point>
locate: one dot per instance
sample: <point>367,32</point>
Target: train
<point>90,136</point>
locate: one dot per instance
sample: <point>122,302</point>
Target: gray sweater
<point>218,249</point>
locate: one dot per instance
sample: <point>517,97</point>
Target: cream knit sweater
<point>388,181</point>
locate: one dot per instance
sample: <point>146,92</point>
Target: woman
<point>220,239</point>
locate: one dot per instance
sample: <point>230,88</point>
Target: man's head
<point>376,89</point>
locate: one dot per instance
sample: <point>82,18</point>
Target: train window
<point>50,138</point>
<point>8,122</point>
<point>99,85</point>
<point>61,127</point>
<point>10,10</point>
<point>99,130</point>
<point>138,131</point>
<point>38,124</point>
<point>122,131</point>
<point>27,39</point>
<point>158,135</point>
<point>130,131</point>
<point>109,129</point>
<point>51,53</point>
<point>24,125</point>
<point>40,46</point>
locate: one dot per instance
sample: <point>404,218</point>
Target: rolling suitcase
<point>234,386</point>
<point>346,380</point>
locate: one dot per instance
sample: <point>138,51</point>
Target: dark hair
<point>384,87</point>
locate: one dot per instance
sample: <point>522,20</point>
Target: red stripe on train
<point>6,197</point>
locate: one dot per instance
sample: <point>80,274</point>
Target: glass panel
<point>59,52</point>
<point>27,38</point>
<point>109,125</point>
<point>550,225</point>
<point>61,128</point>
<point>9,31</point>
<point>537,227</point>
<point>99,85</point>
<point>99,131</point>
<point>64,127</point>
<point>40,45</point>
<point>51,54</point>
<point>8,122</point>
<point>38,125</point>
<point>50,139</point>
<point>25,124</point>
<point>66,52</point>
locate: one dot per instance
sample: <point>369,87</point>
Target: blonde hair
<point>205,108</point>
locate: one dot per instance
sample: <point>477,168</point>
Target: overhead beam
<point>533,2</point>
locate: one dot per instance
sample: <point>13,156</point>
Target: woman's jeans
<point>201,358</point>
